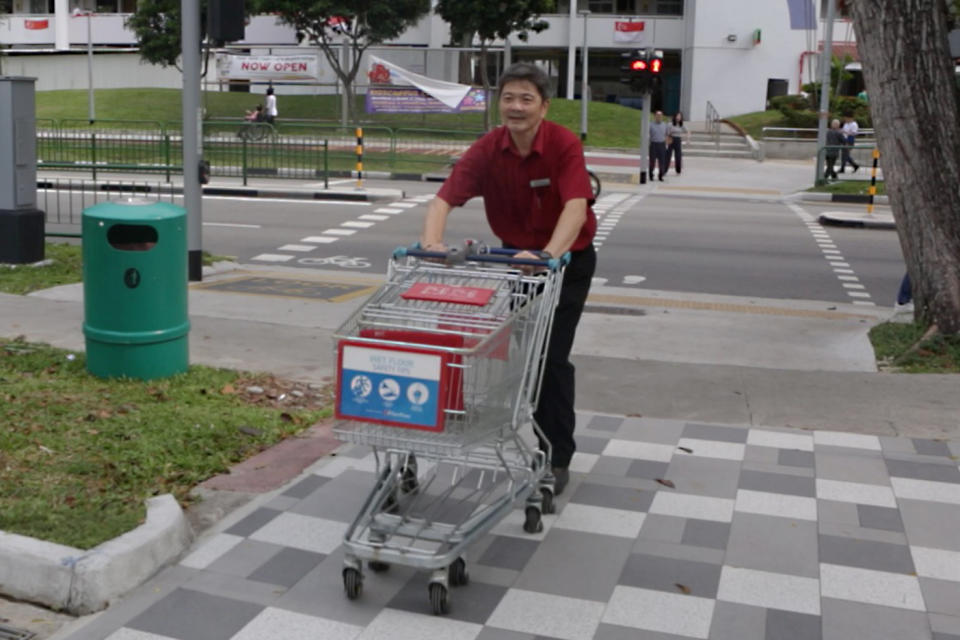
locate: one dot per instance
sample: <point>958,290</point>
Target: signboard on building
<point>628,31</point>
<point>299,67</point>
<point>393,89</point>
<point>36,25</point>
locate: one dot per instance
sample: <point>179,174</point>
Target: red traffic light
<point>655,65</point>
<point>638,65</point>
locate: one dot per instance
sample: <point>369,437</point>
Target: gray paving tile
<point>734,621</point>
<point>599,495</point>
<point>252,522</point>
<point>884,518</point>
<point>930,524</point>
<point>941,596</point>
<point>868,469</point>
<point>712,432</point>
<point>473,602</point>
<point>287,567</point>
<point>492,633</point>
<point>281,503</point>
<point>896,444</point>
<point>576,565</point>
<point>662,528</point>
<point>648,469</point>
<point>931,447</point>
<point>789,625</point>
<point>192,615</point>
<point>705,533</point>
<point>705,476</point>
<point>945,636</point>
<point>779,469</point>
<point>860,533</point>
<point>761,455</point>
<point>795,458</point>
<point>611,466</point>
<point>508,553</point>
<point>779,545</point>
<point>671,575</point>
<point>616,632</point>
<point>835,512</point>
<point>244,558</point>
<point>948,625</point>
<point>306,486</point>
<point>651,430</point>
<point>227,586</point>
<point>678,551</point>
<point>845,620</point>
<point>604,423</point>
<point>339,499</point>
<point>355,451</point>
<point>777,483</point>
<point>920,471</point>
<point>591,444</point>
<point>866,554</point>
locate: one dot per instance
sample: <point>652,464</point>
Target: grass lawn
<point>754,122</point>
<point>892,342</point>
<point>79,455</point>
<point>851,187</point>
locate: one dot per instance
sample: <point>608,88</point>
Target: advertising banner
<point>395,90</point>
<point>628,31</point>
<point>300,67</point>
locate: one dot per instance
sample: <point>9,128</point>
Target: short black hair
<point>270,91</point>
<point>529,72</point>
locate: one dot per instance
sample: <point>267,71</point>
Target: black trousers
<point>658,156</point>
<point>554,412</point>
<point>674,149</point>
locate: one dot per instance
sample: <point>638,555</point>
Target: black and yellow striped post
<point>873,179</point>
<point>359,157</point>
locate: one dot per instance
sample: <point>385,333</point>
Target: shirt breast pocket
<point>547,207</point>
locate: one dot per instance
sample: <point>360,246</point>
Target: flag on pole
<point>628,31</point>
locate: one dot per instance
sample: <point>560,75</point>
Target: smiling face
<point>522,109</point>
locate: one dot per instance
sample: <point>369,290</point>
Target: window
<point>843,10</point>
<point>41,6</point>
<point>669,7</point>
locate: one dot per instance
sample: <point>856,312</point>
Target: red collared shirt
<point>524,197</point>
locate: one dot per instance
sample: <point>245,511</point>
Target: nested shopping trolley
<point>439,373</point>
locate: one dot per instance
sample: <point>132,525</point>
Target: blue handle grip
<point>491,255</point>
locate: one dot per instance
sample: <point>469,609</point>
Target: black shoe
<point>661,178</point>
<point>561,476</point>
<point>856,168</point>
<point>841,171</point>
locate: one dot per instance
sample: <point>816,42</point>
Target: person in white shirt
<point>271,106</point>
<point>850,130</point>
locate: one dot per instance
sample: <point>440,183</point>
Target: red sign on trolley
<point>476,296</point>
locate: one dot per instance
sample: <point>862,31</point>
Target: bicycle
<point>594,184</point>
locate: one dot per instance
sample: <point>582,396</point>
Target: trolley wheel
<point>458,573</point>
<point>438,599</point>
<point>352,582</point>
<point>408,477</point>
<point>532,523</point>
<point>377,566</point>
<point>548,504</point>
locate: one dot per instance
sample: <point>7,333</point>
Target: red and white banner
<point>303,67</point>
<point>628,31</point>
<point>36,25</point>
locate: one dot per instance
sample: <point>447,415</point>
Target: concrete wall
<point>68,70</point>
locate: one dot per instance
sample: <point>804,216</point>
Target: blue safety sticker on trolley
<point>388,385</point>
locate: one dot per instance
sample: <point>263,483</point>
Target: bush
<point>800,118</point>
<point>795,102</point>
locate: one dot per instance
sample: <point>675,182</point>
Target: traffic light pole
<point>192,137</point>
<point>645,137</point>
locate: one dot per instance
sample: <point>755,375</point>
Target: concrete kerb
<point>847,198</point>
<point>81,582</point>
<point>857,220</point>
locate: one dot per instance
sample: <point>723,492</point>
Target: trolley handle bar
<point>457,255</point>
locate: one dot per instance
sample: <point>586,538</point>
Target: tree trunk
<point>464,71</point>
<point>916,115</point>
<point>485,75</point>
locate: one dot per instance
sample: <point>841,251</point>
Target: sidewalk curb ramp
<point>82,582</point>
<point>859,221</point>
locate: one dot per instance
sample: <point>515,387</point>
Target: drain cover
<point>12,633</point>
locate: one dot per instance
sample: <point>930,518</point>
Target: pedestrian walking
<point>850,131</point>
<point>533,179</point>
<point>677,134</point>
<point>271,106</point>
<point>835,142</point>
<point>658,145</point>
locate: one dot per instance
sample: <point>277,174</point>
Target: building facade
<point>733,54</point>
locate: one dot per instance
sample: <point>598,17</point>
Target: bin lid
<point>134,210</point>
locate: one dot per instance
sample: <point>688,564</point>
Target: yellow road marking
<point>724,306</point>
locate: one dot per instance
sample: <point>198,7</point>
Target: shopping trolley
<point>439,373</point>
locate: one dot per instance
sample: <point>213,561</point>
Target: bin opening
<point>132,237</point>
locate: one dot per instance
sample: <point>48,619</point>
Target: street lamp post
<point>583,79</point>
<point>78,12</point>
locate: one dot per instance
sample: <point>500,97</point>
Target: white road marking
<point>272,257</point>
<point>370,216</point>
<point>346,203</point>
<point>230,224</point>
<point>319,239</point>
<point>633,279</point>
<point>598,281</point>
<point>387,210</point>
<point>297,247</point>
<point>356,225</point>
<point>340,232</point>
<point>404,205</point>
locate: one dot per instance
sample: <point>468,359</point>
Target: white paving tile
<point>769,590</point>
<point>340,232</point>
<point>926,490</point>
<point>204,555</point>
<point>272,257</point>
<point>639,450</point>
<point>546,615</point>
<point>682,615</point>
<point>302,532</point>
<point>603,520</point>
<point>387,210</point>
<point>712,449</point>
<point>297,247</point>
<point>936,563</point>
<point>391,624</point>
<point>684,505</point>
<point>857,492</point>
<point>763,438</point>
<point>776,504</point>
<point>356,224</point>
<point>132,634</point>
<point>872,587</point>
<point>289,625</point>
<point>319,239</point>
<point>583,462</point>
<point>840,439</point>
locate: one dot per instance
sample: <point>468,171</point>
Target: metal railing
<point>63,200</point>
<point>861,155</point>
<point>713,123</point>
<point>788,134</point>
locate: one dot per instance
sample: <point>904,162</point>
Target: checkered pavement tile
<point>669,530</point>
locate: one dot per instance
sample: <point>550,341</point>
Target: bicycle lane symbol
<point>344,262</point>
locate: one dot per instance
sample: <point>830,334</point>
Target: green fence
<point>300,149</point>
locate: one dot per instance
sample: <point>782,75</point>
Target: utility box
<point>21,223</point>
<point>135,289</point>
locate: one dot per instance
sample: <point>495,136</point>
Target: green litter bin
<point>135,289</point>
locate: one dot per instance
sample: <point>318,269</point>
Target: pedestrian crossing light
<point>656,61</point>
<point>635,69</point>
